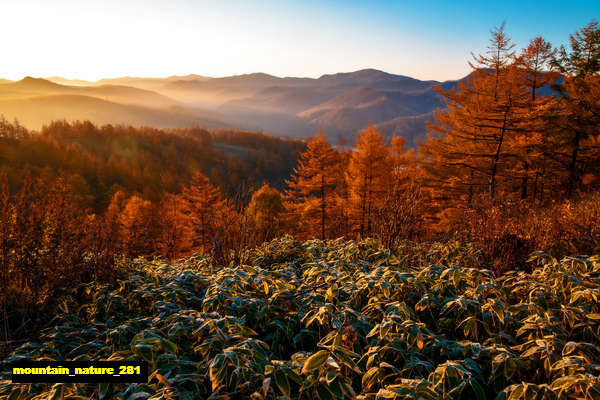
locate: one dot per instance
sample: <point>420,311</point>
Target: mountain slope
<point>142,83</point>
<point>373,79</point>
<point>411,127</point>
<point>29,86</point>
<point>354,108</point>
<point>340,104</point>
<point>35,111</point>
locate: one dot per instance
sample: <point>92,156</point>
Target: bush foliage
<point>334,320</point>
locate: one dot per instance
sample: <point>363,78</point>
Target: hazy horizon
<point>76,78</point>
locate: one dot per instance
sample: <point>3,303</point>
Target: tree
<point>580,105</point>
<point>536,63</point>
<point>202,203</point>
<point>176,233</point>
<point>311,194</point>
<point>369,177</point>
<point>583,58</point>
<point>400,214</point>
<point>473,148</point>
<point>498,56</point>
<point>265,212</point>
<point>138,229</point>
<point>535,71</point>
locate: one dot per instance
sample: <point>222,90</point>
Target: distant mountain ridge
<point>339,104</point>
<point>36,101</point>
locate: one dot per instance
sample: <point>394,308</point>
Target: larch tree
<point>311,194</point>
<point>176,230</point>
<point>535,71</point>
<point>369,178</point>
<point>265,212</point>
<point>470,152</point>
<point>497,58</point>
<point>535,62</point>
<point>203,204</point>
<point>138,231</point>
<point>576,144</point>
<point>399,216</point>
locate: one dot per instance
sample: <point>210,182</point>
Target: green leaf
<point>330,376</point>
<point>369,378</point>
<point>282,382</point>
<point>144,351</point>
<point>169,346</point>
<point>315,361</point>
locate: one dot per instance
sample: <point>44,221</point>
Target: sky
<point>426,39</point>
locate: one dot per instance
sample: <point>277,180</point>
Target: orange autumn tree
<point>369,178</point>
<point>472,151</point>
<point>176,232</point>
<point>265,213</point>
<point>399,217</point>
<point>137,226</point>
<point>576,143</point>
<point>311,196</point>
<point>530,147</point>
<point>203,205</point>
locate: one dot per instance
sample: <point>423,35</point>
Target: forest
<point>241,265</point>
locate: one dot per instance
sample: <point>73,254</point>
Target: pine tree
<point>535,62</point>
<point>497,58</point>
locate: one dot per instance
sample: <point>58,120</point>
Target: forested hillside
<point>144,161</point>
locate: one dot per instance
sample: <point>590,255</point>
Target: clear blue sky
<point>425,39</point>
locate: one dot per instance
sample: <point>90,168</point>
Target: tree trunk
<point>524,182</point>
<point>497,157</point>
<point>573,165</point>
<point>322,206</point>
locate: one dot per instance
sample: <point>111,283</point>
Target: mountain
<point>353,108</point>
<point>33,112</point>
<point>340,104</point>
<point>36,101</point>
<point>142,83</point>
<point>29,86</point>
<point>374,79</point>
<point>217,91</point>
<point>69,82</point>
<point>285,99</point>
<point>411,127</point>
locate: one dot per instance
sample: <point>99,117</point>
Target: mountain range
<point>337,104</point>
